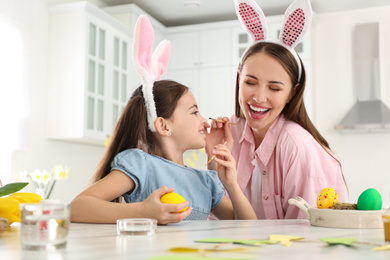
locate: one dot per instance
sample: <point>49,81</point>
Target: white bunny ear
<point>296,23</point>
<point>160,59</point>
<point>142,59</point>
<point>252,19</point>
<point>150,67</point>
<point>142,46</point>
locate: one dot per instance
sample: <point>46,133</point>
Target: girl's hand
<point>226,168</point>
<point>164,213</point>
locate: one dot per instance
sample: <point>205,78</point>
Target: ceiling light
<point>192,3</point>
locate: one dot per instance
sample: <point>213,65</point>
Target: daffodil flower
<point>37,176</point>
<point>44,181</point>
<point>46,176</point>
<point>107,142</point>
<point>60,172</point>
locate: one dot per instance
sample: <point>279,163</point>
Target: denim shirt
<point>202,189</point>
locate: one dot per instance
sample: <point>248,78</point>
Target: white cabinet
<point>201,59</point>
<point>203,48</point>
<point>89,73</point>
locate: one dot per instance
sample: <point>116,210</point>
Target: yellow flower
<point>9,206</point>
<point>26,197</point>
<point>37,176</point>
<point>46,176</point>
<point>107,142</point>
<point>60,172</point>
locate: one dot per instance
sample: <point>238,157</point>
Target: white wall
<point>365,157</point>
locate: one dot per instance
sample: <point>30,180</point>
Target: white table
<point>100,241</point>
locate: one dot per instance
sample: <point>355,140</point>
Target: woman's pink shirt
<point>292,163</point>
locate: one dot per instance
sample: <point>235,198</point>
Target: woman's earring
<point>170,134</point>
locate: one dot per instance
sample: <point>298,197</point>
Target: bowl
<point>335,218</point>
<point>136,226</point>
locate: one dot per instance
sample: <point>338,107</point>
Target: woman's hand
<point>164,213</point>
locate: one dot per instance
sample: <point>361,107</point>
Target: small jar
<point>386,224</point>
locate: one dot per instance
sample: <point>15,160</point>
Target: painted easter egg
<point>173,198</point>
<point>370,199</point>
<point>327,198</point>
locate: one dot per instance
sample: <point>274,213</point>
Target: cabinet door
<point>215,47</point>
<point>184,52</point>
<point>216,91</point>
<point>240,42</point>
<point>96,84</point>
<point>120,75</point>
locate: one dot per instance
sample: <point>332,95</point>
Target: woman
<point>278,151</point>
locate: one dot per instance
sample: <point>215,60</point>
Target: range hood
<point>369,113</point>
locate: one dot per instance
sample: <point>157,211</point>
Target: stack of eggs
<point>370,199</point>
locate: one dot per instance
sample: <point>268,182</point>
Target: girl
<point>279,152</point>
<point>145,158</point>
<point>142,166</point>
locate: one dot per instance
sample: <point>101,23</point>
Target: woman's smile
<point>258,112</point>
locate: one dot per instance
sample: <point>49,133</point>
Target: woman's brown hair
<point>295,110</point>
<point>132,129</point>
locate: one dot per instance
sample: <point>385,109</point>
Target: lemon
<point>327,198</point>
<point>173,198</point>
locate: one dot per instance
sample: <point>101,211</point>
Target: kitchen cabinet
<point>201,59</point>
<point>89,73</point>
<point>204,48</point>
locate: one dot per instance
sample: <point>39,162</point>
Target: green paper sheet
<point>339,241</point>
<point>237,241</point>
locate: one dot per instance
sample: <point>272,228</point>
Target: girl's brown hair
<point>132,129</point>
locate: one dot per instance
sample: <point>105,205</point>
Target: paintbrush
<point>212,158</point>
<point>221,121</point>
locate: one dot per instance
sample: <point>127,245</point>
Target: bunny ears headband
<point>150,66</point>
<point>296,23</point>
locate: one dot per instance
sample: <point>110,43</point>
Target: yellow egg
<point>173,198</point>
<point>327,198</point>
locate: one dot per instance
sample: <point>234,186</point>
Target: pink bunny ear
<point>252,19</point>
<point>160,59</point>
<point>297,20</point>
<point>142,46</point>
